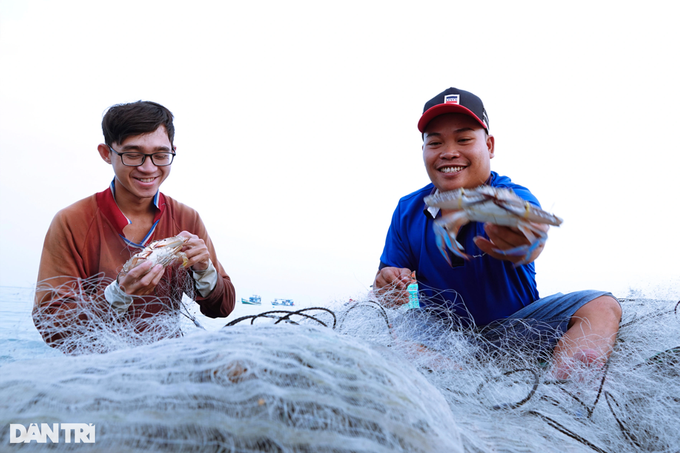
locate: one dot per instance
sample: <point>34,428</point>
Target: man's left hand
<point>196,251</point>
<point>506,238</point>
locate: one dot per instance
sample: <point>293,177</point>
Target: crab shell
<point>163,252</point>
<point>499,206</point>
<point>481,203</point>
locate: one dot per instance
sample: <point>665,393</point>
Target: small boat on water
<point>253,300</point>
<point>286,302</point>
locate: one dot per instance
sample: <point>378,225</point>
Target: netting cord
<point>371,304</point>
<point>665,356</point>
<point>519,403</point>
<point>609,399</point>
<point>651,316</point>
<point>561,428</point>
<point>273,314</point>
<point>184,311</point>
<point>624,429</point>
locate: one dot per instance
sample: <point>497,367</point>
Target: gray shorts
<point>537,327</point>
<point>540,324</point>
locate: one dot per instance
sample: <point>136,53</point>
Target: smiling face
<point>138,185</point>
<point>457,152</point>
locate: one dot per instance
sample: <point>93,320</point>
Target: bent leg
<point>590,336</point>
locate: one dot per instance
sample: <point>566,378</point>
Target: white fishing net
<point>89,324</point>
<point>264,387</point>
<point>353,377</point>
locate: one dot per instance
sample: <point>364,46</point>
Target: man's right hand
<point>141,280</point>
<point>390,285</point>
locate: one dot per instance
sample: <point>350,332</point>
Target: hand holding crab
<point>517,229</point>
<point>144,270</point>
<point>197,254</point>
<point>503,239</point>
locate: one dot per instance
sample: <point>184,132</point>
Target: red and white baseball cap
<point>454,100</point>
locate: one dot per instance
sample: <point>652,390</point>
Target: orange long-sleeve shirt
<point>86,240</point>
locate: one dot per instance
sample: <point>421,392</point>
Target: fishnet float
<point>349,378</point>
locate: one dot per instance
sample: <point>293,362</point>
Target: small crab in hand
<point>499,206</point>
<point>162,252</point>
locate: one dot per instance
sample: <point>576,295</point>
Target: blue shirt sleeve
<point>395,253</point>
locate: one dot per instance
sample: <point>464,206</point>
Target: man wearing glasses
<point>80,283</point>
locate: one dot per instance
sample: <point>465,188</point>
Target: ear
<point>491,145</point>
<point>104,152</point>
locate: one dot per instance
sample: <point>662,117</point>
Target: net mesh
<point>351,377</point>
<point>83,322</point>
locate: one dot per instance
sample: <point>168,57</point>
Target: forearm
<point>221,300</point>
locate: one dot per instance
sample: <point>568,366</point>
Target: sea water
<point>359,387</point>
<point>19,340</point>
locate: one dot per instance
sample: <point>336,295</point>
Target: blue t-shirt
<point>478,291</point>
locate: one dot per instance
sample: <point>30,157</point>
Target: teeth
<point>146,179</point>
<point>450,169</point>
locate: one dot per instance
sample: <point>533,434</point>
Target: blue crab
<point>499,206</point>
<point>162,252</point>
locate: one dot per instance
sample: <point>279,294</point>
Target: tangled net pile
<point>354,378</point>
<point>90,326</point>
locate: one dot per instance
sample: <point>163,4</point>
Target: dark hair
<point>136,118</point>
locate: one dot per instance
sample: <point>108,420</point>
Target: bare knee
<point>603,308</point>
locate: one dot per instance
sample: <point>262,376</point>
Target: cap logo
<point>452,99</point>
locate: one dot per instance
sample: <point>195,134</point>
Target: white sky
<point>296,126</point>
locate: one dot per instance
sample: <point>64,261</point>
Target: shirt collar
<point>106,201</point>
<point>431,211</point>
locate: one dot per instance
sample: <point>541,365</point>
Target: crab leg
<point>530,213</point>
<point>446,228</point>
<point>170,258</point>
<point>536,238</point>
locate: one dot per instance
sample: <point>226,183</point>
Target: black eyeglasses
<point>135,159</point>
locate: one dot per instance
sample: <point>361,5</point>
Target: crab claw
<point>536,239</point>
<point>447,241</point>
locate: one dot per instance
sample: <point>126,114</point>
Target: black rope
<point>301,313</point>
<point>554,424</point>
<point>669,356</point>
<point>371,304</point>
<point>564,430</point>
<point>609,398</point>
<point>589,409</point>
<point>286,317</point>
<point>518,403</point>
<point>614,408</point>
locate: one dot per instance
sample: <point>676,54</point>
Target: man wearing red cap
<point>493,288</point>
